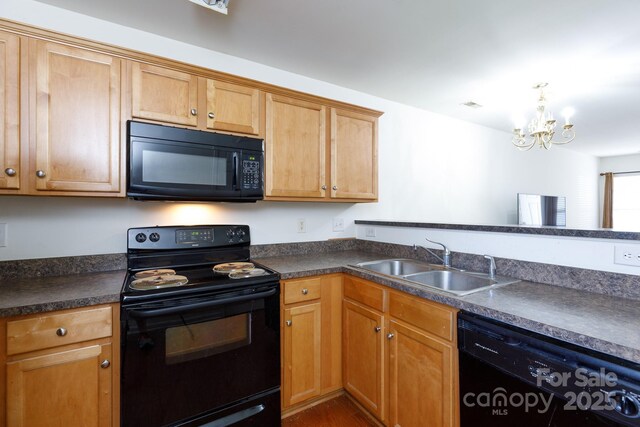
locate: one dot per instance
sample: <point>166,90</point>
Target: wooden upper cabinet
<point>231,107</point>
<point>354,155</point>
<point>295,148</point>
<point>164,95</point>
<point>9,111</point>
<point>77,119</point>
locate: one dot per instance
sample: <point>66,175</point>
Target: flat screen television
<point>536,209</point>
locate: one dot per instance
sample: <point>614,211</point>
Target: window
<point>626,202</point>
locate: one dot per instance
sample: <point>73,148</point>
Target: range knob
<point>141,237</point>
<point>625,403</point>
<point>154,237</point>
<point>240,233</point>
<point>231,233</point>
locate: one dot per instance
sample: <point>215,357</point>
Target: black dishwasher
<point>513,377</point>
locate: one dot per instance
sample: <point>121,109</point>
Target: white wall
<point>432,168</point>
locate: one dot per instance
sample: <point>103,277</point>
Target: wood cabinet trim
<point>10,111</point>
<point>40,33</point>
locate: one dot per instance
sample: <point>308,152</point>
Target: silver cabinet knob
<point>211,115</point>
<point>61,332</point>
<point>194,112</point>
<point>40,173</point>
<point>335,187</point>
<point>10,171</point>
<point>389,336</point>
<point>324,187</point>
<point>305,291</point>
<point>377,329</point>
<point>105,364</point>
<point>288,322</point>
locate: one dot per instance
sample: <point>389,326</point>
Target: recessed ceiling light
<point>217,5</point>
<point>471,104</point>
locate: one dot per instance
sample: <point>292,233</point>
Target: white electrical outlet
<point>370,232</point>
<point>3,234</point>
<point>627,255</point>
<point>338,224</point>
<point>302,225</point>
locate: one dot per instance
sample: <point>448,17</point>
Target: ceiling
<point>433,54</point>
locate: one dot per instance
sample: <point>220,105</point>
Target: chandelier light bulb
<point>542,127</point>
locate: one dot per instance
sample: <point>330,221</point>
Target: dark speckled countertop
<point>599,322</point>
<point>40,294</point>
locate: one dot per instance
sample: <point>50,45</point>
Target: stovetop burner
<point>166,262</point>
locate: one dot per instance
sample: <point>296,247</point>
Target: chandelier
<point>542,128</point>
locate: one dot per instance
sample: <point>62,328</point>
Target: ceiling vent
<point>217,5</point>
<point>472,104</point>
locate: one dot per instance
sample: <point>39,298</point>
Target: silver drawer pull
<point>105,364</point>
<point>211,115</point>
<point>305,291</point>
<point>288,322</point>
<point>194,112</point>
<point>389,336</point>
<point>10,171</point>
<point>40,174</point>
<point>61,332</point>
<point>377,329</point>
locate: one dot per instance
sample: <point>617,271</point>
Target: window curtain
<point>607,208</point>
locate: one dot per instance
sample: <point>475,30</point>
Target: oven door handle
<point>144,314</point>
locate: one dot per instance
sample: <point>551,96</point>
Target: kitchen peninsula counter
<point>599,322</point>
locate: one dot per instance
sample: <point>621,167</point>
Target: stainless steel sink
<point>396,267</point>
<point>434,276</point>
<point>459,283</point>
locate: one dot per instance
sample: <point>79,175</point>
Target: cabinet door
<point>232,107</point>
<point>302,336</point>
<point>421,379</point>
<point>354,155</point>
<point>164,95</point>
<point>77,119</point>
<point>69,387</point>
<point>295,148</point>
<point>9,111</point>
<point>362,350</point>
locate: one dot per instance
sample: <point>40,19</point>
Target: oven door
<point>191,358</point>
<point>180,170</point>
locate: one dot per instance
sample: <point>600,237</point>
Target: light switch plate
<point>338,224</point>
<point>3,234</point>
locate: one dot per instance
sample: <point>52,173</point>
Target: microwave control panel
<point>251,172</point>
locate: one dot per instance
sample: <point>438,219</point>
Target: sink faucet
<point>446,256</point>
<point>492,266</point>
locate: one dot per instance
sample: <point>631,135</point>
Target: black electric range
<point>201,348</point>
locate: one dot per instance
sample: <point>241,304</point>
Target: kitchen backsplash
<point>602,282</point>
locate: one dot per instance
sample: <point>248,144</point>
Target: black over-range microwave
<point>169,163</point>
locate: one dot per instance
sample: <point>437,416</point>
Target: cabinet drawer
<point>51,330</point>
<point>428,316</point>
<point>302,290</point>
<point>363,292</point>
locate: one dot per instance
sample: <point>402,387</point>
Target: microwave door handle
<point>144,314</point>
<point>236,173</point>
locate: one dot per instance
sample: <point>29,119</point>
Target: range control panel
<point>181,237</point>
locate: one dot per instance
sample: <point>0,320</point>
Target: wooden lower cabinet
<point>62,371</point>
<point>400,355</point>
<point>302,352</point>
<point>311,344</point>
<point>421,378</point>
<point>362,355</point>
